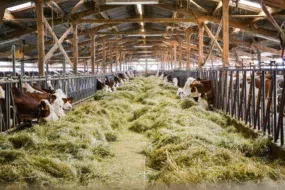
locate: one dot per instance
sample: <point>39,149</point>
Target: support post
<point>175,55</point>
<point>225,33</point>
<point>47,69</point>
<point>104,57</point>
<point>75,47</point>
<point>64,66</point>
<point>40,36</point>
<point>92,54</point>
<point>111,57</point>
<point>22,68</point>
<point>117,59</point>
<point>180,55</point>
<point>14,59</point>
<point>201,45</point>
<point>188,49</point>
<point>120,61</point>
<point>258,57</point>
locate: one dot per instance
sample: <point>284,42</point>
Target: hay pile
<point>189,144</point>
<point>192,145</point>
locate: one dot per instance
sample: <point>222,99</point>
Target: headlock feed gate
<point>255,96</point>
<point>77,87</point>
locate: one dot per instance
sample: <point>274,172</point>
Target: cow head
<point>2,93</point>
<point>57,103</point>
<point>47,112</point>
<point>67,103</point>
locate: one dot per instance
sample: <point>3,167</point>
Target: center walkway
<point>127,167</point>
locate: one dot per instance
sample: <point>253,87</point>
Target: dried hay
<point>188,143</point>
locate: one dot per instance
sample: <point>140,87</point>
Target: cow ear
<point>52,98</point>
<point>70,100</point>
<point>64,100</point>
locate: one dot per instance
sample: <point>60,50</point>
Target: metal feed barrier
<point>235,91</point>
<point>77,87</point>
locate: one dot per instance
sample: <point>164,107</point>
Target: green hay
<point>187,103</point>
<point>22,140</point>
<point>111,136</point>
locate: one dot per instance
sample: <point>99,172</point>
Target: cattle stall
<point>255,96</point>
<point>79,88</point>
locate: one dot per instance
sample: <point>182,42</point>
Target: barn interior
<point>175,34</point>
<point>142,94</point>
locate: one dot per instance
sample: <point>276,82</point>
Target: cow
<point>57,103</point>
<point>42,89</point>
<point>67,101</point>
<point>29,109</point>
<point>123,76</point>
<point>27,88</point>
<point>205,86</point>
<point>35,94</point>
<point>186,90</point>
<point>101,86</point>
<point>118,81</point>
<point>110,83</point>
<point>58,100</point>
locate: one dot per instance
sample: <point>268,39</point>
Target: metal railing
<point>255,96</point>
<point>77,87</point>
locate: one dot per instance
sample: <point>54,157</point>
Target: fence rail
<point>77,87</point>
<point>255,96</point>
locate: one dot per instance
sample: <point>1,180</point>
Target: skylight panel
<point>21,6</point>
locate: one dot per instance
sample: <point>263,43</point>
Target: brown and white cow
<point>29,109</point>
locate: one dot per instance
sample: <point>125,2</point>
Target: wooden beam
<point>75,47</point>
<point>226,36</point>
<point>139,32</point>
<point>175,54</point>
<point>40,36</point>
<point>220,4</point>
<point>57,44</point>
<point>104,57</point>
<point>76,7</point>
<point>201,45</point>
<point>56,39</point>
<point>188,36</point>
<point>260,32</point>
<point>92,54</point>
<point>213,37</point>
<point>212,42</point>
<point>180,55</point>
<point>117,59</point>
<point>135,20</point>
<point>111,57</point>
<point>59,21</point>
<point>54,6</point>
<point>198,6</point>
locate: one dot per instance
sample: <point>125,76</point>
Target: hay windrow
<point>188,143</point>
